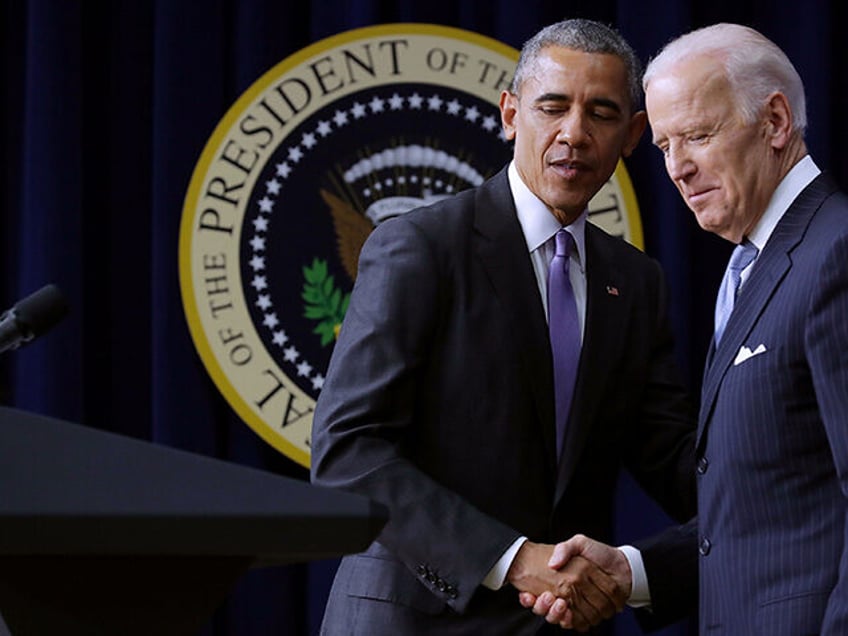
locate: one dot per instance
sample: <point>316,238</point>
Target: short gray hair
<point>755,66</point>
<point>587,36</point>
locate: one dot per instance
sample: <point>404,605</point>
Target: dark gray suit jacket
<point>773,441</point>
<point>438,403</point>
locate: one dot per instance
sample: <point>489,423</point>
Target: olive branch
<point>324,301</point>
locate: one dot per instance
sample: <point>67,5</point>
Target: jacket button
<point>705,547</point>
<point>703,464</point>
<point>422,571</point>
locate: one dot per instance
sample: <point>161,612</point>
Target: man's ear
<point>778,120</point>
<point>635,128</point>
<point>509,110</point>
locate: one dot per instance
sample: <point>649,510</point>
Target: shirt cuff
<point>640,595</point>
<point>496,577</point>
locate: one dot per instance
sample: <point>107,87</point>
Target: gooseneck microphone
<point>31,317</point>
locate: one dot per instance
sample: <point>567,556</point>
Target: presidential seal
<point>328,144</point>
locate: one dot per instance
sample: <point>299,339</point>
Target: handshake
<point>575,584</point>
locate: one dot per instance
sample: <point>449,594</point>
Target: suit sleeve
<point>365,420</point>
<point>826,341</point>
<point>671,563</point>
<point>661,444</point>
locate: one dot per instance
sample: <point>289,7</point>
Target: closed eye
<point>552,110</point>
<point>605,115</point>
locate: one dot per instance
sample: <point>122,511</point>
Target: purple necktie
<point>564,330</point>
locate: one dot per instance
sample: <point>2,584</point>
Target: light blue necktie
<point>564,331</point>
<point>742,256</point>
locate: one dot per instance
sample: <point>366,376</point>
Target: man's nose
<point>573,129</point>
<point>678,164</point>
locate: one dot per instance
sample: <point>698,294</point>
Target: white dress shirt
<point>798,178</point>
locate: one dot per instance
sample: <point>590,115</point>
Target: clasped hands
<point>575,584</point>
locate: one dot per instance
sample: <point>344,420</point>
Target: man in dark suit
<point>439,400</point>
<point>727,110</point>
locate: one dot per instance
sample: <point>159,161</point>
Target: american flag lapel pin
<point>612,290</point>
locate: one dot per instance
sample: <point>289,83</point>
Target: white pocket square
<point>745,353</point>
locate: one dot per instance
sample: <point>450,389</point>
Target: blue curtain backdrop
<point>105,110</point>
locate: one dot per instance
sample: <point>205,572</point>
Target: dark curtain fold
<point>105,111</point>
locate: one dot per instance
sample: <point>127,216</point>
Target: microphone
<point>31,317</point>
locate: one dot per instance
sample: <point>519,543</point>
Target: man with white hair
<point>726,109</point>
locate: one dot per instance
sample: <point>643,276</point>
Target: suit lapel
<point>502,251</point>
<point>606,291</point>
<point>766,275</point>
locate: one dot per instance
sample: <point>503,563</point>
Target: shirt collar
<point>537,222</point>
<point>798,178</point>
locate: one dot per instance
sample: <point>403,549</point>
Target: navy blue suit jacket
<point>439,404</point>
<point>772,441</point>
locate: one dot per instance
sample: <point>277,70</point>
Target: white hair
<point>755,67</point>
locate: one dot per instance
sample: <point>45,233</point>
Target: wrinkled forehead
<point>698,81</point>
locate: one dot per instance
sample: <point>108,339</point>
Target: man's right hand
<point>609,566</point>
<point>578,594</point>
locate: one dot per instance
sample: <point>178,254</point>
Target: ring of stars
<point>359,110</point>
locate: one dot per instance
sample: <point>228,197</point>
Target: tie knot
<point>743,255</point>
<point>564,243</point>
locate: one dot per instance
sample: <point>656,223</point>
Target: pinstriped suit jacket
<point>772,443</point>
